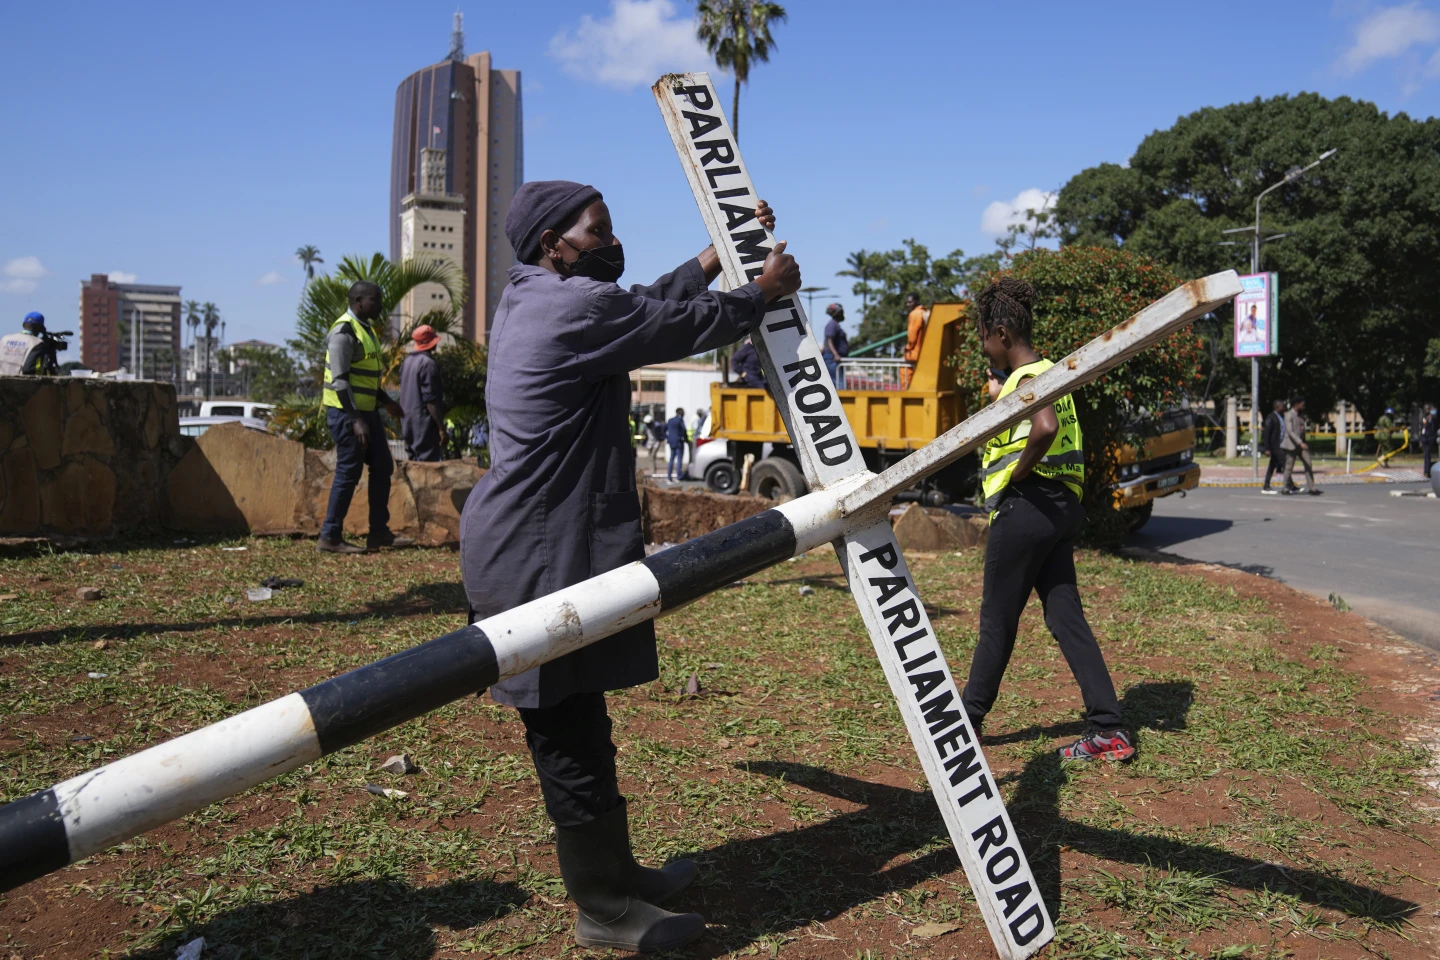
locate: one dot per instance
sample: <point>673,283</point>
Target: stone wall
<point>237,480</point>
<point>82,457</point>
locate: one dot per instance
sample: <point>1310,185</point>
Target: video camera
<point>52,342</point>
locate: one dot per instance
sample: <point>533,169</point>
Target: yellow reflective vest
<point>364,374</point>
<point>1065,460</point>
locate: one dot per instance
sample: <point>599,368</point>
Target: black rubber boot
<point>603,879</point>
<point>651,884</point>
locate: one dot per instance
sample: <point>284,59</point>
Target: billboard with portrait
<point>1256,318</point>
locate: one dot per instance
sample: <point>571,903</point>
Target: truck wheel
<point>776,478</point>
<point>722,477</point>
<point>1139,516</point>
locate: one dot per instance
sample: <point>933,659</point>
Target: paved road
<point>1381,553</point>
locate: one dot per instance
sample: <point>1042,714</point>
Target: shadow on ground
<point>361,919</point>
<point>814,873</point>
<point>422,598</point>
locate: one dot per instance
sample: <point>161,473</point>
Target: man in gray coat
<point>558,506</point>
<point>1296,448</point>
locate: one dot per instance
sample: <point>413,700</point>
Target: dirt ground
<point>1282,805</point>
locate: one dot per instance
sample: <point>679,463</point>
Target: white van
<point>236,408</point>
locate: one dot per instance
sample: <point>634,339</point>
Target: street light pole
<point>1256,240</point>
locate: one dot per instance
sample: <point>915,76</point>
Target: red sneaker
<point>1111,745</point>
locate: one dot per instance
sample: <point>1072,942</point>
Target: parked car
<point>712,464</point>
<point>236,408</point>
<point>195,426</point>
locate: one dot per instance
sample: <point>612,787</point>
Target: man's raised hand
<point>782,274</point>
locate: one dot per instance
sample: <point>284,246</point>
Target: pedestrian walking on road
<point>421,390</point>
<point>1271,438</point>
<point>1429,428</point>
<point>351,396</point>
<point>558,506</point>
<point>1296,448</point>
<point>1033,476</point>
<point>1384,434</point>
<point>678,437</point>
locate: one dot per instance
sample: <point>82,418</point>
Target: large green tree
<point>882,279</point>
<point>1358,278</point>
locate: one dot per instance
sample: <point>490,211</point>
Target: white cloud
<point>1389,33</point>
<point>635,45</point>
<point>21,275</point>
<point>1005,213</point>
<point>270,279</point>
<point>121,276</point>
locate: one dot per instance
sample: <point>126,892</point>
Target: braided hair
<point>1005,303</point>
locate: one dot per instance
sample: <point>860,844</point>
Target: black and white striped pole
<point>90,812</point>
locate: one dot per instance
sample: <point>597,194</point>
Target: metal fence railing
<point>877,374</point>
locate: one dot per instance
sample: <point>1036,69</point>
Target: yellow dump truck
<point>895,408</point>
<point>1162,463</point>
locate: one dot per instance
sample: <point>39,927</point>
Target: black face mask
<point>605,264</point>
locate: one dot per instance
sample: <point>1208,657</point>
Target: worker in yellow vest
<point>352,397</point>
<point>1033,478</point>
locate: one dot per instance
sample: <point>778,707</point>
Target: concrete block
<point>86,433</point>
<point>79,499</point>
<point>19,492</point>
<point>44,425</point>
<point>915,530</point>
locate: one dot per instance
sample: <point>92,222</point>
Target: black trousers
<point>1276,465</point>
<point>1032,547</point>
<point>574,758</point>
<point>1429,458</point>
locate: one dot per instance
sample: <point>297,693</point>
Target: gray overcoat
<point>558,504</point>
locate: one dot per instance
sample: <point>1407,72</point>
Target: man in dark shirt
<point>423,425</point>
<point>837,344</point>
<point>676,435</point>
<point>1271,436</point>
<point>1429,429</point>
<point>559,506</point>
<point>746,367</point>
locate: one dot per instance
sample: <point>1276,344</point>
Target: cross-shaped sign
<point>900,630</point>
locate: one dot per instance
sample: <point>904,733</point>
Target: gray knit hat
<point>542,205</point>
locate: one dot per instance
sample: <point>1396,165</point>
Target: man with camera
<point>31,352</point>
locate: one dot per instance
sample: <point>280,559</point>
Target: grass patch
<point>1272,803</point>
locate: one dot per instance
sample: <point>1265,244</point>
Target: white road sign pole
<point>904,641</point>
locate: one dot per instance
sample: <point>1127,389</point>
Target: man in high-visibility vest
<point>352,397</point>
<point>24,353</point>
<point>1033,477</point>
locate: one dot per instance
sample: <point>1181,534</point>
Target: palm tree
<point>862,267</point>
<point>210,315</point>
<point>308,255</point>
<point>192,317</point>
<point>737,34</point>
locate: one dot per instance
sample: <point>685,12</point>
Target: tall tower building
<point>456,161</point>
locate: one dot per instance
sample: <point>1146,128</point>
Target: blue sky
<point>200,144</point>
